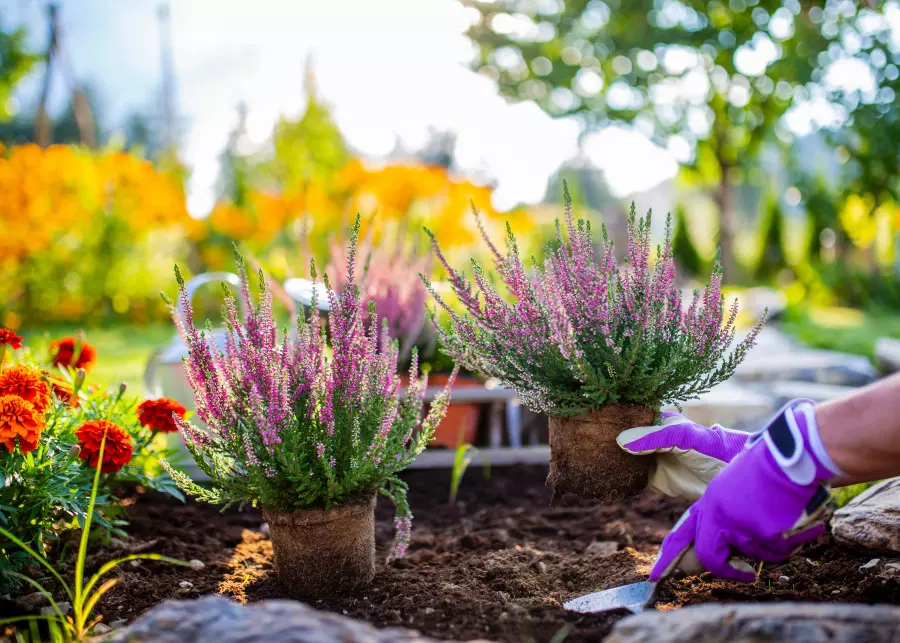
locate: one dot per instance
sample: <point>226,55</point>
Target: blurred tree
<point>708,79</point>
<point>772,258</point>
<point>687,258</point>
<point>64,128</point>
<point>15,62</point>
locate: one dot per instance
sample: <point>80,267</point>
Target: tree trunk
<point>725,201</point>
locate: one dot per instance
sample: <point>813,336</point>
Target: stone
<point>822,367</point>
<point>872,564</point>
<point>731,404</point>
<point>215,618</point>
<point>186,585</point>
<point>887,354</point>
<point>786,391</point>
<point>872,519</point>
<point>32,602</point>
<point>602,548</point>
<point>118,624</point>
<point>754,622</point>
<point>65,607</point>
<point>784,579</point>
<point>102,628</point>
<point>197,564</point>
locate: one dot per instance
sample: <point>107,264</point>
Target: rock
<point>215,618</point>
<point>32,602</point>
<point>264,529</point>
<point>197,564</point>
<point>872,519</point>
<point>102,628</point>
<point>822,367</point>
<point>887,354</point>
<point>186,585</point>
<point>731,405</point>
<point>770,622</point>
<point>872,564</point>
<point>602,548</point>
<point>786,391</point>
<point>65,607</point>
<point>118,624</point>
<point>784,579</point>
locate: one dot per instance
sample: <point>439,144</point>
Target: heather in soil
<point>578,331</point>
<point>304,421</point>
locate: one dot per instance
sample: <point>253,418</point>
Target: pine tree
<point>688,259</point>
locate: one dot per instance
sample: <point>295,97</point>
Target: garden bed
<point>494,567</point>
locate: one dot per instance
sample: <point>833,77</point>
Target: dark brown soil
<point>496,566</point>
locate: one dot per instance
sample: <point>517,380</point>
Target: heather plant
<point>390,279</point>
<point>578,332</point>
<point>299,423</point>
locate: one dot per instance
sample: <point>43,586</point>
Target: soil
<point>495,566</point>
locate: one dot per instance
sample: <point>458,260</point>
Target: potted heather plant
<point>390,279</point>
<point>307,431</point>
<point>598,346</point>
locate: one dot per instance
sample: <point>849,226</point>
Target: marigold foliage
<point>44,486</point>
<point>297,423</point>
<point>576,333</point>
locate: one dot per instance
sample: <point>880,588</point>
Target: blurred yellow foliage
<point>69,217</point>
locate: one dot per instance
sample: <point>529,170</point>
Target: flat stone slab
<point>731,405</point>
<point>786,391</point>
<point>872,519</point>
<point>822,367</point>
<point>769,622</point>
<point>215,619</point>
<point>887,354</point>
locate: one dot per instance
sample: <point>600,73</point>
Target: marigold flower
<point>159,414</point>
<point>63,354</point>
<point>19,420</point>
<point>117,451</point>
<point>27,383</point>
<point>9,338</point>
<point>64,392</point>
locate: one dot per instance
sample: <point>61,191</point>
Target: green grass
<point>122,351</point>
<point>841,329</point>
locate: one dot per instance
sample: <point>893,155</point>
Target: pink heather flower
<point>575,333</point>
<point>281,406</point>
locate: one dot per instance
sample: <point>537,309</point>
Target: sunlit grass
<point>842,329</point>
<point>122,351</point>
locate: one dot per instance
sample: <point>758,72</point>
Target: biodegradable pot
<point>321,552</point>
<point>585,459</point>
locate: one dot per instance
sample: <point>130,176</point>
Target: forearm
<point>861,432</point>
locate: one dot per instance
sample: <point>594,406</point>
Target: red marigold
<point>159,414</point>
<point>63,392</point>
<point>63,354</point>
<point>9,338</point>
<point>116,452</point>
<point>27,383</point>
<point>19,420</point>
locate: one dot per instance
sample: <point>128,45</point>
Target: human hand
<point>687,455</point>
<point>765,504</point>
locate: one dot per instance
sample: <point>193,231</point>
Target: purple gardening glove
<point>762,504</point>
<point>686,455</point>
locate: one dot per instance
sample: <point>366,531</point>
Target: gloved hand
<point>687,455</point>
<point>762,504</point>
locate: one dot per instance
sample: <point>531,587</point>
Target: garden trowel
<point>635,597</point>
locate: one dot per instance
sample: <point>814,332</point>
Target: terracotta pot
<point>460,425</point>
<point>585,459</point>
<point>320,553</point>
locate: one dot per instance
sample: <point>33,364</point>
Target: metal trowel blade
<point>632,597</point>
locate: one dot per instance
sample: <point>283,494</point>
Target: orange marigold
<point>63,354</point>
<point>27,383</point>
<point>116,452</point>
<point>19,420</point>
<point>158,415</point>
<point>63,392</point>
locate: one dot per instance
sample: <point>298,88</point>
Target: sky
<point>392,70</point>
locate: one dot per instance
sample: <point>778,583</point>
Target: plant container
<point>460,425</point>
<point>585,459</point>
<point>323,552</point>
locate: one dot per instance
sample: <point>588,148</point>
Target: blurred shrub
<point>86,234</point>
